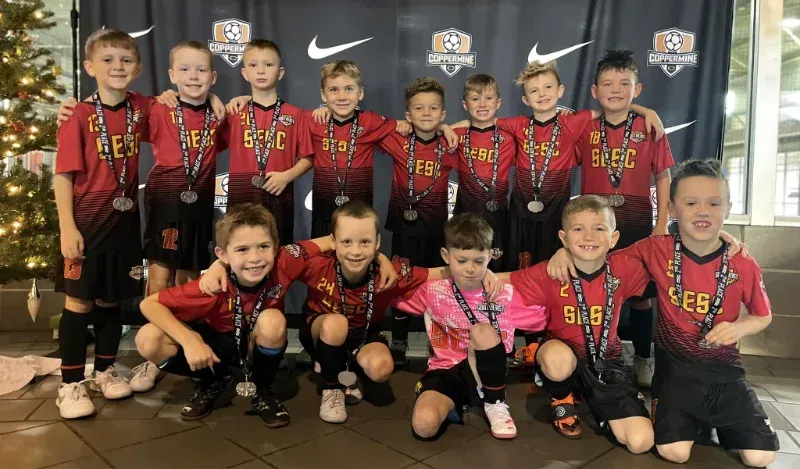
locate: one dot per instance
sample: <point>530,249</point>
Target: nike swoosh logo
<point>534,56</point>
<point>320,53</point>
<point>675,128</point>
<point>136,34</point>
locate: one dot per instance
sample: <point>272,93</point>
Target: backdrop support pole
<point>74,23</point>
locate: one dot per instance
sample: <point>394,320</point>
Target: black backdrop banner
<point>682,48</point>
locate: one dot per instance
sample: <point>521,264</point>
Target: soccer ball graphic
<point>232,31</point>
<point>673,41</point>
<point>451,41</point>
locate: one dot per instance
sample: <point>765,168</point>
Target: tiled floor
<point>146,431</point>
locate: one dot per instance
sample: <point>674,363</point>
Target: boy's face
<point>542,92</point>
<point>357,242</point>
<point>342,94</point>
<point>425,111</point>
<point>468,266</point>
<point>114,68</point>
<point>615,89</point>
<point>250,254</point>
<point>483,106</point>
<point>588,235</point>
<point>191,71</point>
<point>262,69</point>
<point>701,206</point>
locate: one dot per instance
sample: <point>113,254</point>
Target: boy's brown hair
<point>468,231</point>
<point>264,44</point>
<point>191,45</point>
<point>356,209</point>
<point>709,168</point>
<point>110,38</point>
<point>588,203</point>
<point>534,69</point>
<point>243,215</point>
<point>620,60</point>
<point>340,67</point>
<point>479,83</point>
<point>424,85</point>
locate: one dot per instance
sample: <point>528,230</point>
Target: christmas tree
<point>29,245</point>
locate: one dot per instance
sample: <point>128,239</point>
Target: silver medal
<point>347,378</point>
<point>341,200</point>
<point>496,253</point>
<point>492,205</point>
<point>535,206</point>
<point>616,200</point>
<point>246,389</point>
<point>189,197</point>
<point>410,215</point>
<point>258,181</point>
<point>123,204</point>
<point>706,345</point>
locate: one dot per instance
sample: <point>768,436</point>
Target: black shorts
<point>109,276</point>
<point>458,383</point>
<point>531,241</point>
<point>320,227</point>
<point>354,338</point>
<point>420,251</point>
<point>222,343</point>
<point>681,406</point>
<point>180,245</point>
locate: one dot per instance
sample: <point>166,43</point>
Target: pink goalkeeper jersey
<point>448,327</point>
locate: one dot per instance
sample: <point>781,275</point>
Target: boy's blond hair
<point>263,44</point>
<point>243,215</point>
<point>337,68</point>
<point>191,45</point>
<point>588,203</point>
<point>110,38</point>
<point>534,69</point>
<point>479,83</point>
<point>424,85</point>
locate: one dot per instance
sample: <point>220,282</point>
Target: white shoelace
<point>335,398</point>
<point>109,376</point>
<point>143,369</point>
<point>498,411</point>
<point>76,390</point>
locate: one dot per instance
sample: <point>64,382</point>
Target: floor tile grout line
<point>138,442</point>
<point>589,461</point>
<point>88,445</point>
<point>34,409</point>
<point>387,446</point>
<point>41,423</point>
<point>302,442</point>
<point>236,444</point>
<point>789,433</point>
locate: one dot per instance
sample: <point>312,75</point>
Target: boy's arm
<point>663,180</point>
<point>276,181</point>
<point>652,122</point>
<point>417,304</point>
<point>728,333</point>
<point>71,239</point>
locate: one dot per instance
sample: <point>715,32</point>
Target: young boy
<point>699,378</point>
<point>469,335</point>
<point>569,356</point>
<point>618,158</point>
<point>191,333</point>
<point>96,190</point>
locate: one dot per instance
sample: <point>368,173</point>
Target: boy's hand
<point>65,110</point>
<point>736,246</point>
<point>168,98</point>
<point>450,136</point>
<point>492,285</point>
<point>404,128</point>
<point>561,267</point>
<point>726,333</point>
<point>388,274</point>
<point>276,182</point>
<point>653,124</point>
<point>72,243</point>
<point>322,115</point>
<point>217,106</point>
<point>215,279</point>
<point>237,104</point>
<point>199,355</point>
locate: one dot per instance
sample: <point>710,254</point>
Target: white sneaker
<point>353,394</point>
<point>644,367</point>
<point>332,409</point>
<point>73,401</point>
<point>500,420</point>
<point>112,385</point>
<point>144,377</point>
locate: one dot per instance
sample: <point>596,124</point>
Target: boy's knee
<point>426,422</point>
<point>557,362</point>
<point>757,458</point>
<point>77,305</point>
<point>149,340</point>
<point>483,336</point>
<point>379,367</point>
<point>675,452</point>
<point>334,329</point>
<point>639,443</point>
<point>270,330</point>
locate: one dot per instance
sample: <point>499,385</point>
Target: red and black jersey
<point>291,143</point>
<point>645,157</point>
<point>471,197</point>
<point>324,297</point>
<point>432,209</point>
<point>167,178</point>
<point>555,189</point>
<point>187,303</point>
<point>677,329</point>
<point>94,185</point>
<point>564,318</point>
<point>371,128</point>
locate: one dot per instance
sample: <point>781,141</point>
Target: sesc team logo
<point>221,192</point>
<point>230,38</point>
<point>451,51</point>
<point>674,49</point>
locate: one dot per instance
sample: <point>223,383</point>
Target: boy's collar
<point>590,276</point>
<point>255,288</point>
<point>264,108</point>
<point>485,129</point>
<point>700,260</point>
<point>195,107</point>
<point>344,122</point>
<point>545,123</point>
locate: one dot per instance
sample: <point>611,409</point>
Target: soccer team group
<point>476,277</point>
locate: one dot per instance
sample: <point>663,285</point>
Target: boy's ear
<point>560,91</point>
<point>614,238</point>
<point>671,209</point>
<point>221,254</point>
<point>637,90</point>
<point>525,100</point>
<point>171,76</point>
<point>445,255</point>
<point>213,77</point>
<point>361,94</point>
<point>280,75</point>
<point>464,105</point>
<point>87,65</point>
<point>594,91</point>
<point>378,243</point>
<point>499,102</point>
<point>562,235</point>
<point>408,116</point>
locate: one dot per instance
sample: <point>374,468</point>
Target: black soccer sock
<point>532,337</point>
<point>641,331</point>
<point>108,332</point>
<point>400,325</point>
<point>492,368</point>
<point>557,389</point>
<point>72,342</point>
<point>332,360</point>
<point>266,362</point>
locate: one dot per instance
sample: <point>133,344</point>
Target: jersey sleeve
<point>224,134</point>
<point>305,146</point>
<point>510,125</point>
<point>529,284</point>
<point>662,160</point>
<point>575,124</point>
<point>754,294</point>
<point>70,144</point>
<point>531,318</point>
<point>143,106</point>
<point>410,277</point>
<point>377,126</point>
<point>417,304</point>
<point>632,273</point>
<point>388,144</point>
<point>292,258</point>
<point>187,303</point>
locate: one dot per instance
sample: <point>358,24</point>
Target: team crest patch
<point>500,138</point>
<point>673,49</point>
<point>733,277</point>
<point>638,136</point>
<point>294,249</point>
<point>360,130</point>
<point>418,387</point>
<point>229,38</point>
<point>286,119</point>
<point>137,272</point>
<point>450,51</point>
<point>275,292</point>
<point>137,116</point>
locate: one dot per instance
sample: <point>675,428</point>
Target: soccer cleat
<point>112,385</point>
<point>333,409</point>
<point>644,368</point>
<point>524,356</point>
<point>353,394</point>
<point>73,401</point>
<point>398,349</point>
<point>500,420</point>
<point>266,405</point>
<point>565,417</point>
<point>209,395</point>
<point>144,377</point>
